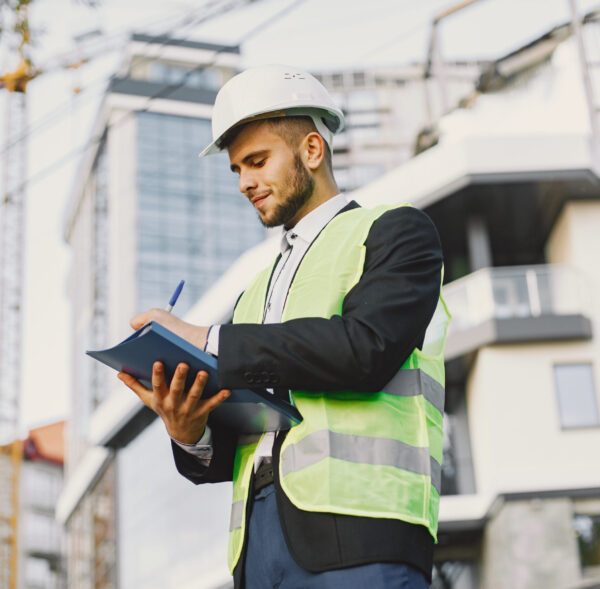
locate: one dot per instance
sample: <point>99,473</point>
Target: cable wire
<point>166,91</point>
<point>402,36</point>
<point>58,112</point>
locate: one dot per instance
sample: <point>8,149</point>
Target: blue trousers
<point>270,565</point>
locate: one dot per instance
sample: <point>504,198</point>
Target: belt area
<point>263,476</point>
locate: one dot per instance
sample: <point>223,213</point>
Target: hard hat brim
<point>312,112</point>
<point>269,91</point>
<point>210,149</point>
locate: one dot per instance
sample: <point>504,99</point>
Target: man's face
<point>272,175</point>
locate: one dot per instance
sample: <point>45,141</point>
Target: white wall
<point>122,206</point>
<point>575,241</point>
<point>80,291</point>
<point>516,437</point>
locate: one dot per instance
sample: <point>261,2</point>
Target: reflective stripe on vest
<point>410,382</point>
<point>237,514</point>
<point>242,473</point>
<point>361,449</point>
<point>366,454</point>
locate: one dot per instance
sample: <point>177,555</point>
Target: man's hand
<point>184,414</point>
<point>195,334</point>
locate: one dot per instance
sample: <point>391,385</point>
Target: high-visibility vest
<point>363,454</point>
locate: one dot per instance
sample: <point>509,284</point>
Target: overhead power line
<point>108,40</point>
<point>164,92</point>
<point>169,89</point>
<point>190,19</point>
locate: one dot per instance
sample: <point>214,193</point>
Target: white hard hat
<point>273,90</point>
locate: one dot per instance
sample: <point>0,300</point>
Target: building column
<point>531,545</point>
<point>478,239</point>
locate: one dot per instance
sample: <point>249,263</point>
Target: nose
<point>247,181</point>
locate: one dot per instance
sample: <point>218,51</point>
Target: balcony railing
<point>517,293</point>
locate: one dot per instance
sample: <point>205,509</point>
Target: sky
<point>314,34</point>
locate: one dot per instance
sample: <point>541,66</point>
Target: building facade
<point>40,545</point>
<point>511,182</point>
<point>145,213</point>
<point>513,188</point>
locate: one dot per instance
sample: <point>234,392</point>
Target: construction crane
<point>12,241</point>
<point>12,262</point>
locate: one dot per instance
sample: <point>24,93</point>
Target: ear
<point>314,150</point>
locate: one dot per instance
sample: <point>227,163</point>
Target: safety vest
<point>363,454</point>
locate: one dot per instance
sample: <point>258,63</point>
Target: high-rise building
<point>513,188</point>
<point>40,547</point>
<point>145,213</point>
<point>511,182</point>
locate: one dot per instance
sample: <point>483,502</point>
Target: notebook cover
<point>246,410</point>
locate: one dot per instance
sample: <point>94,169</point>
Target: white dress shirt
<point>294,244</point>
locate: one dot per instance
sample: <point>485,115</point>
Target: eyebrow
<point>260,152</point>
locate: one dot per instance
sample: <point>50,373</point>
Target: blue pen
<point>175,296</point>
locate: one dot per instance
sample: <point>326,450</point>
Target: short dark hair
<point>291,129</point>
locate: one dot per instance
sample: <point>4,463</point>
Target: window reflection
<point>576,395</point>
<point>192,221</point>
<point>587,529</point>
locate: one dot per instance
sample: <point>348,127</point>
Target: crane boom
<point>12,261</point>
<point>12,241</point>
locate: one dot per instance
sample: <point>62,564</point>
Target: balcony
<point>516,304</point>
<point>41,536</point>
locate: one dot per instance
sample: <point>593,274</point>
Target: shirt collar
<point>312,224</point>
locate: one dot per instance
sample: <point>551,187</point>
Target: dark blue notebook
<point>246,410</point>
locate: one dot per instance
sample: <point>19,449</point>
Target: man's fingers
<point>139,320</point>
<point>177,388</point>
<point>158,315</point>
<point>159,384</point>
<point>216,400</point>
<point>139,389</point>
<point>194,395</point>
<point>195,391</point>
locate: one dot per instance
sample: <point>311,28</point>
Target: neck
<point>324,191</point>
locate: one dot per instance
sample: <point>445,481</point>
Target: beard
<point>298,189</point>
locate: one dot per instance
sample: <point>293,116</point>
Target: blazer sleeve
<point>384,317</point>
<point>221,464</point>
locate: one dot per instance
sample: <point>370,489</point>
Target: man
<point>350,496</point>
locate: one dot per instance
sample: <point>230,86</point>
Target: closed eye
<point>254,164</point>
<point>256,159</point>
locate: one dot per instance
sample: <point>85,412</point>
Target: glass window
<point>165,73</point>
<point>337,80</point>
<point>457,465</point>
<point>362,100</point>
<point>192,221</point>
<point>587,529</point>
<point>361,135</point>
<point>576,396</point>
<point>204,78</point>
<point>39,532</point>
<point>363,119</point>
<point>359,78</point>
<point>40,485</point>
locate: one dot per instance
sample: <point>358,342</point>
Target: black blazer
<point>384,317</point>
